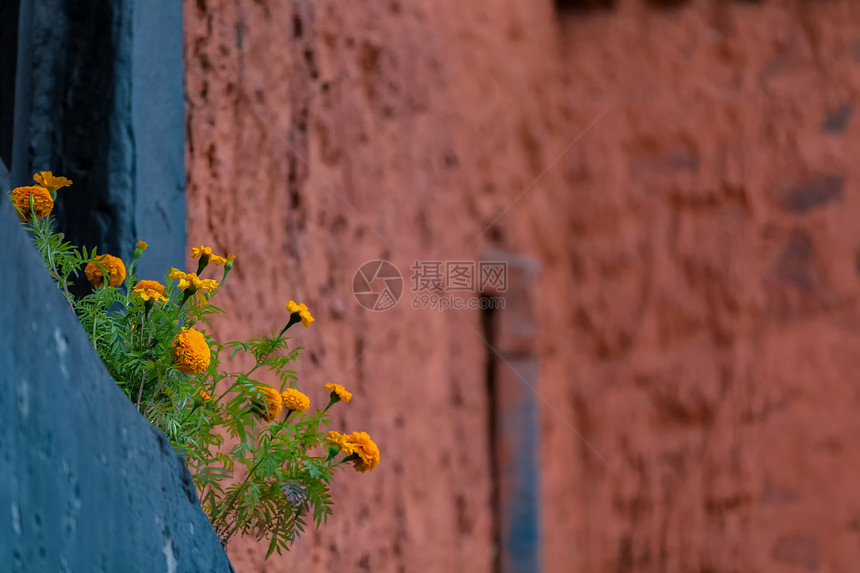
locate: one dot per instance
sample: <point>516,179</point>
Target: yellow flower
<point>47,180</point>
<point>358,446</point>
<point>302,311</point>
<point>206,252</point>
<point>192,280</point>
<point>42,201</point>
<point>150,285</point>
<point>115,269</point>
<point>195,252</point>
<point>367,450</point>
<point>341,441</point>
<point>295,400</point>
<point>138,251</point>
<point>150,290</point>
<point>338,391</point>
<point>202,397</point>
<point>269,410</point>
<point>191,352</point>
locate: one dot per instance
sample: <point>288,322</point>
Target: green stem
<point>42,230</point>
<point>140,392</point>
<point>157,387</point>
<point>259,363</point>
<point>186,294</point>
<point>224,512</point>
<point>56,272</point>
<point>233,385</point>
<point>142,378</point>
<point>234,496</point>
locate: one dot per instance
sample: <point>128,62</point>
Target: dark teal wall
<point>107,109</point>
<point>158,123</point>
<point>88,484</point>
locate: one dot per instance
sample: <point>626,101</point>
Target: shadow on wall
<point>89,484</point>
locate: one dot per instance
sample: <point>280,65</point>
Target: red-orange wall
<point>698,301</point>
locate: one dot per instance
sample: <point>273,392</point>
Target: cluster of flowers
<point>191,352</point>
<point>37,201</point>
<point>358,446</point>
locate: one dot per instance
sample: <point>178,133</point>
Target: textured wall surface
<point>711,329</point>
<point>698,299</point>
<point>88,484</point>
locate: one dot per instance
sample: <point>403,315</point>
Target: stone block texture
<point>684,172</point>
<point>88,484</point>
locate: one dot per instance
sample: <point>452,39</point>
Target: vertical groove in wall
<point>9,39</point>
<point>23,81</point>
<point>512,341</point>
<point>488,331</point>
<point>73,124</point>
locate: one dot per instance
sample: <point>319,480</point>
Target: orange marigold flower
<point>338,391</point>
<point>295,400</point>
<point>187,281</point>
<point>204,395</point>
<point>229,264</point>
<point>42,201</point>
<point>207,252</point>
<point>367,450</point>
<point>192,280</point>
<point>47,180</point>
<point>138,250</point>
<point>114,266</point>
<point>191,351</point>
<point>359,449</point>
<point>150,290</point>
<point>270,406</point>
<point>302,311</point>
<point>341,441</point>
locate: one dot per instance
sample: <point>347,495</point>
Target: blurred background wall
<point>684,175</point>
